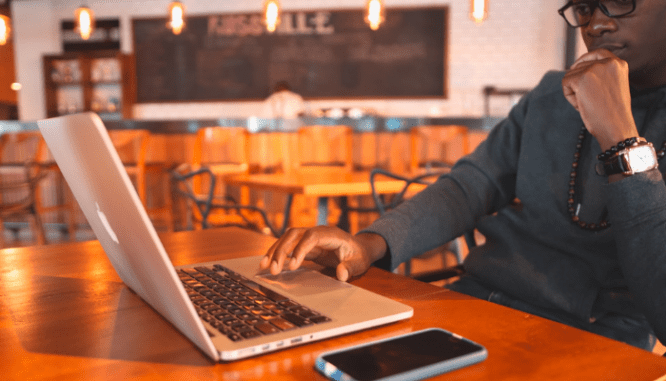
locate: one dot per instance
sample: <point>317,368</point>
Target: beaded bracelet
<point>620,146</point>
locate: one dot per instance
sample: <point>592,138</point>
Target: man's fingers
<point>316,242</point>
<point>342,272</point>
<point>569,92</point>
<point>353,267</point>
<point>282,249</point>
<point>594,55</point>
<point>266,260</point>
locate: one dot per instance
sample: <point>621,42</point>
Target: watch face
<point>642,158</point>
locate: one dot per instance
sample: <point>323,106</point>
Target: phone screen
<point>400,355</point>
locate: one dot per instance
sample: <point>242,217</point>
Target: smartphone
<point>413,356</point>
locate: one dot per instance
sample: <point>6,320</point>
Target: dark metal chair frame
<point>181,187</point>
<point>383,206</point>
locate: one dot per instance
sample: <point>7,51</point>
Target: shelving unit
<point>99,81</point>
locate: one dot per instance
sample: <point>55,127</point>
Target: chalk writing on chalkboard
<point>322,54</point>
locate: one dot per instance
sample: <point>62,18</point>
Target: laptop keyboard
<point>240,308</point>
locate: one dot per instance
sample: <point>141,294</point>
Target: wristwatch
<point>637,158</point>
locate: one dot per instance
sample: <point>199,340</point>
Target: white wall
<point>513,48</point>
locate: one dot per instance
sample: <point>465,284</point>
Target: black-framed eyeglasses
<point>578,13</point>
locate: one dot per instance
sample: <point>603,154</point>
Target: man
<point>284,103</point>
<point>585,245</point>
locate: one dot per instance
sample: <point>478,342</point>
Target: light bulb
<point>374,13</point>
<point>5,29</point>
<point>85,22</point>
<point>271,15</point>
<point>177,16</point>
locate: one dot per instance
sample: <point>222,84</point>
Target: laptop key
<point>319,319</point>
<point>240,327</point>
<point>282,324</point>
<point>296,319</point>
<point>289,304</point>
<point>266,328</point>
<point>306,313</point>
<point>267,292</point>
<point>253,321</point>
<point>234,337</point>
<point>250,334</point>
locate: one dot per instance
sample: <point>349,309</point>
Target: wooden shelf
<point>99,81</point>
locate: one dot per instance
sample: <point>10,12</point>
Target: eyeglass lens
<point>580,12</point>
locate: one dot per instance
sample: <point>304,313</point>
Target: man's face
<point>638,38</point>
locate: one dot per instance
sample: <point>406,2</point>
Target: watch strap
<point>619,162</point>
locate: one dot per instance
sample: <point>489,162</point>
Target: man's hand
<point>328,246</point>
<point>597,85</point>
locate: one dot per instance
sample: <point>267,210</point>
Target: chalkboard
<point>322,54</point>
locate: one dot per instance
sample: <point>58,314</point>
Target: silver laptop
<point>229,309</point>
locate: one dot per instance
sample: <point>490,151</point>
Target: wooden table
<point>65,315</point>
<point>321,185</point>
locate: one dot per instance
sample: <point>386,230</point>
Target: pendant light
<point>176,17</point>
<point>5,29</point>
<point>272,14</point>
<point>375,13</point>
<point>84,22</point>
<point>478,10</point>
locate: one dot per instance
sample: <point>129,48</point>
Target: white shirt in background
<point>284,104</point>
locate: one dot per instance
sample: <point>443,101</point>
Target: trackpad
<point>303,282</point>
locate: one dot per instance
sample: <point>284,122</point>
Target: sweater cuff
<point>631,199</point>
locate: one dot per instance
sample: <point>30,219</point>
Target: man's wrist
<point>373,244</point>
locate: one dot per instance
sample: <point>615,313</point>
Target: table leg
<point>343,221</point>
<point>322,211</point>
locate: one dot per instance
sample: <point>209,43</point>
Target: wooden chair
<point>225,151</point>
<point>132,147</point>
<point>436,146</point>
<point>58,198</point>
<point>319,149</point>
<point>20,175</point>
<point>324,148</point>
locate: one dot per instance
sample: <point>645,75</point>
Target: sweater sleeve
<point>479,184</point>
<point>637,209</point>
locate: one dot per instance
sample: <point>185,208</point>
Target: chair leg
<point>38,228</point>
<point>2,233</point>
<point>71,209</point>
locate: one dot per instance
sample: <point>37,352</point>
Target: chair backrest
<point>383,205</point>
<point>437,146</point>
<point>201,206</point>
<point>324,147</point>
<point>16,150</point>
<point>222,147</point>
<point>19,147</point>
<point>21,154</point>
<point>132,145</point>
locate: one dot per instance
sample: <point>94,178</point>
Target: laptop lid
<point>97,178</point>
<point>92,168</point>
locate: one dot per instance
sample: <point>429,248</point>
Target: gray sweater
<point>533,252</point>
